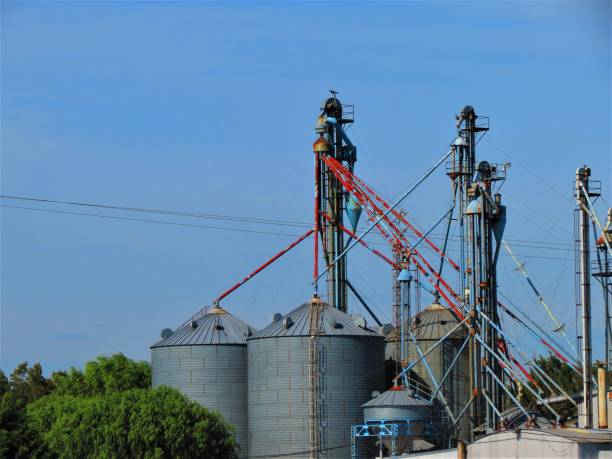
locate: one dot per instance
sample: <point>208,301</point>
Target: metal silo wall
<point>214,376</point>
<point>279,424</point>
<point>456,387</point>
<point>389,351</point>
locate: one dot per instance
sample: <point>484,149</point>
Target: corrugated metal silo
<point>309,374</point>
<point>396,404</point>
<point>206,359</point>
<point>428,327</point>
<point>399,406</point>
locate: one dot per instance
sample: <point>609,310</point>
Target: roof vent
<point>338,325</point>
<point>375,394</point>
<point>276,317</point>
<point>166,333</point>
<point>359,321</point>
<point>249,332</point>
<point>288,322</point>
<point>220,327</point>
<point>193,325</point>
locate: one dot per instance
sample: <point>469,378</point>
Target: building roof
<point>215,326</point>
<point>395,398</point>
<point>302,321</point>
<point>581,435</point>
<point>572,434</point>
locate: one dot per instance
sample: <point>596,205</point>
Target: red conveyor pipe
<point>264,266</point>
<point>362,242</point>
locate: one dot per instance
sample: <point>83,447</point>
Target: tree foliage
<point>107,410</point>
<point>25,385</point>
<point>568,379</point>
<point>103,375</point>
<point>137,423</point>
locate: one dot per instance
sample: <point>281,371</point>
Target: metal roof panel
<point>332,322</point>
<point>216,326</point>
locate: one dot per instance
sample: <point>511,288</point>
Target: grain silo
<point>309,373</point>
<point>206,359</point>
<point>408,417</point>
<point>428,327</point>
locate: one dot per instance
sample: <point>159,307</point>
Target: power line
<point>220,228</point>
<point>264,221</point>
<point>240,219</point>
<point>146,220</point>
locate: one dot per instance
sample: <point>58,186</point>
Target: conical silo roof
<point>216,326</point>
<point>394,397</point>
<point>435,322</point>
<point>397,404</point>
<point>314,317</point>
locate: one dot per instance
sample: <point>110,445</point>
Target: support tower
<point>332,199</point>
<point>481,220</point>
<point>583,191</point>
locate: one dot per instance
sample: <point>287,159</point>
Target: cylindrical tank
<point>309,374</point>
<point>396,404</point>
<point>428,327</point>
<point>399,406</point>
<point>206,359</point>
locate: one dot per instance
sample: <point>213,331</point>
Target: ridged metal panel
<point>429,326</point>
<point>217,326</point>
<point>395,405</point>
<point>435,322</point>
<point>350,368</point>
<point>212,374</point>
<point>331,322</point>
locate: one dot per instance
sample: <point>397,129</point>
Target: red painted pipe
<point>264,266</point>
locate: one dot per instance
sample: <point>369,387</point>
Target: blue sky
<point>210,107</point>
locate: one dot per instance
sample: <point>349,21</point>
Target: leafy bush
<point>137,423</point>
<point>108,410</point>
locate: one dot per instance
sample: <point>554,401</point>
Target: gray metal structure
<point>482,219</point>
<point>396,405</point>
<point>333,200</point>
<point>582,193</point>
<point>308,375</point>
<point>206,359</point>
<point>397,418</point>
<point>603,272</point>
<point>428,327</point>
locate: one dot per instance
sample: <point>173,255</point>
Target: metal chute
<point>353,211</point>
<point>499,225</point>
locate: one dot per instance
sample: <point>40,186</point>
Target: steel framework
<point>495,360</point>
<point>331,199</point>
<point>391,430</point>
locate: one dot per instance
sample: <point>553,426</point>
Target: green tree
<point>138,423</point>
<point>4,383</point>
<point>107,410</point>
<point>103,375</point>
<point>25,385</point>
<point>568,379</point>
